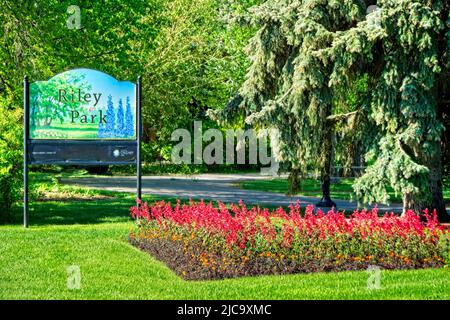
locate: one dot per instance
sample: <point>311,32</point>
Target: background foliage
<point>11,159</point>
<point>307,55</point>
<point>345,87</point>
<point>188,56</point>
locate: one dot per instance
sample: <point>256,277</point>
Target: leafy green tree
<point>11,159</point>
<point>37,42</point>
<point>197,64</point>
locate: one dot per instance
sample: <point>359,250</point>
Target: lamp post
<point>326,201</point>
<point>327,154</point>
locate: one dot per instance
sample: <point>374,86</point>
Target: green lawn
<point>310,187</point>
<point>93,236</point>
<point>66,131</point>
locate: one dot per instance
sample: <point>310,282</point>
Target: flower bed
<point>200,241</point>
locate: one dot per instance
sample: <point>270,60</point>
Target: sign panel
<point>81,117</point>
<point>82,104</point>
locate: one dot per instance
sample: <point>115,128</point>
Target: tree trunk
<point>326,201</point>
<point>435,201</point>
<point>413,202</point>
<point>435,180</point>
<point>358,161</point>
<point>48,121</point>
<point>294,181</point>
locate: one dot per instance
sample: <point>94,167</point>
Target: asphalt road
<point>219,187</point>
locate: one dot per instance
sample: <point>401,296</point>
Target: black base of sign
<point>82,152</point>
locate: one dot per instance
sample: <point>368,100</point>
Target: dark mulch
<point>188,262</point>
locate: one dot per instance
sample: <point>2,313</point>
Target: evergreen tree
<point>287,85</point>
<point>120,128</point>
<point>101,130</point>
<point>129,120</point>
<point>110,118</point>
<point>308,51</point>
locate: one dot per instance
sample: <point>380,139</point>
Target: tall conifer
<point>307,51</point>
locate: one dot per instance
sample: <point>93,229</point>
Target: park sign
<point>81,117</point>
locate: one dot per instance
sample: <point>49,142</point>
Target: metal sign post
<point>81,117</point>
<point>139,136</point>
<point>26,123</point>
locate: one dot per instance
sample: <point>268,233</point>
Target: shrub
<point>200,241</point>
<point>11,160</point>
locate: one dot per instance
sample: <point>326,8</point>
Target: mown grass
<point>341,189</point>
<point>93,236</point>
<point>66,130</point>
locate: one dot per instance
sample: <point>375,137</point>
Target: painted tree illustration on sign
<point>120,128</point>
<point>45,106</point>
<point>110,118</point>
<point>129,120</point>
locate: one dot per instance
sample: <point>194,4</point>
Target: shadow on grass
<point>71,212</point>
<point>83,212</point>
<point>76,212</point>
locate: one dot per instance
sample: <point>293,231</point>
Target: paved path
<point>220,187</point>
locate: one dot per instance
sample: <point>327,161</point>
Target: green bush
<point>444,245</point>
<point>11,160</point>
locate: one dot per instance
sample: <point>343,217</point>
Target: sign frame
<point>66,147</point>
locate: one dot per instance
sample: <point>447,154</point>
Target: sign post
<point>139,129</point>
<point>26,114</point>
<point>82,117</point>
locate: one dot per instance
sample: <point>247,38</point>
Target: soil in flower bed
<point>195,263</point>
